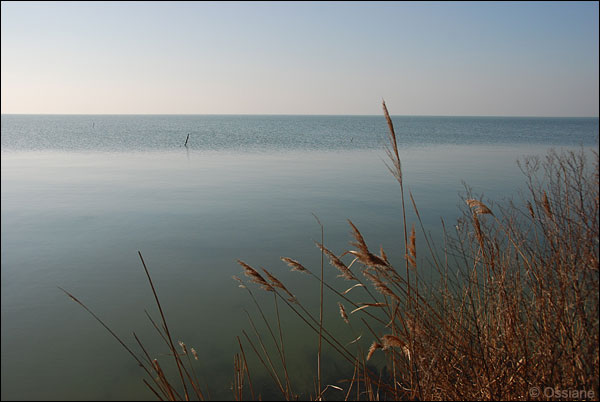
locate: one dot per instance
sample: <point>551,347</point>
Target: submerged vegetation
<point>513,310</point>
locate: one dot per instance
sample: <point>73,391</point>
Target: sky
<point>424,58</point>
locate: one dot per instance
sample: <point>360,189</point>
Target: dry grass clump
<point>515,308</point>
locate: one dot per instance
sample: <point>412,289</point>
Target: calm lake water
<point>82,194</point>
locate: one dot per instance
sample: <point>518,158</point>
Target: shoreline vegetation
<point>512,315</point>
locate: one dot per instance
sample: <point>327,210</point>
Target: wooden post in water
<point>186,140</point>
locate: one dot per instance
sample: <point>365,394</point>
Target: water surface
<point>82,194</point>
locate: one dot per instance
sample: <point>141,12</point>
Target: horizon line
<point>289,114</point>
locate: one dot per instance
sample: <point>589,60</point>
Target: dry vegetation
<point>515,305</point>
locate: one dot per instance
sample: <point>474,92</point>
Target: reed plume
<point>255,276</point>
<point>296,266</point>
<point>337,263</point>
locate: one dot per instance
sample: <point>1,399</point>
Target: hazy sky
<point>515,59</point>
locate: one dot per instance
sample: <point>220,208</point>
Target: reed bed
<point>512,314</point>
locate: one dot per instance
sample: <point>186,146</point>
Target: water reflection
<point>77,220</point>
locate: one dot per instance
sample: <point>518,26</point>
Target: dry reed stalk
<point>478,231</point>
<point>363,253</point>
<point>480,207</point>
<point>354,340</point>
<point>332,341</point>
<point>394,145</point>
<point>430,247</point>
<point>280,350</point>
<point>328,286</point>
<point>343,313</point>
<point>163,379</point>
<point>296,266</point>
<point>383,255</point>
<point>193,382</point>
<point>269,367</point>
<point>183,347</point>
<point>352,287</point>
<point>530,209</point>
<point>320,396</point>
<point>381,286</point>
<point>389,341</point>
<point>178,361</point>
<point>246,368</point>
<point>238,379</point>
<point>157,328</point>
<point>546,204</point>
<point>241,283</point>
<point>394,156</point>
<point>337,263</point>
<point>354,374</point>
<point>255,276</point>
<point>366,305</point>
<point>160,397</point>
<point>144,351</point>
<point>412,250</point>
<point>374,346</point>
<point>319,354</point>
<point>277,283</point>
